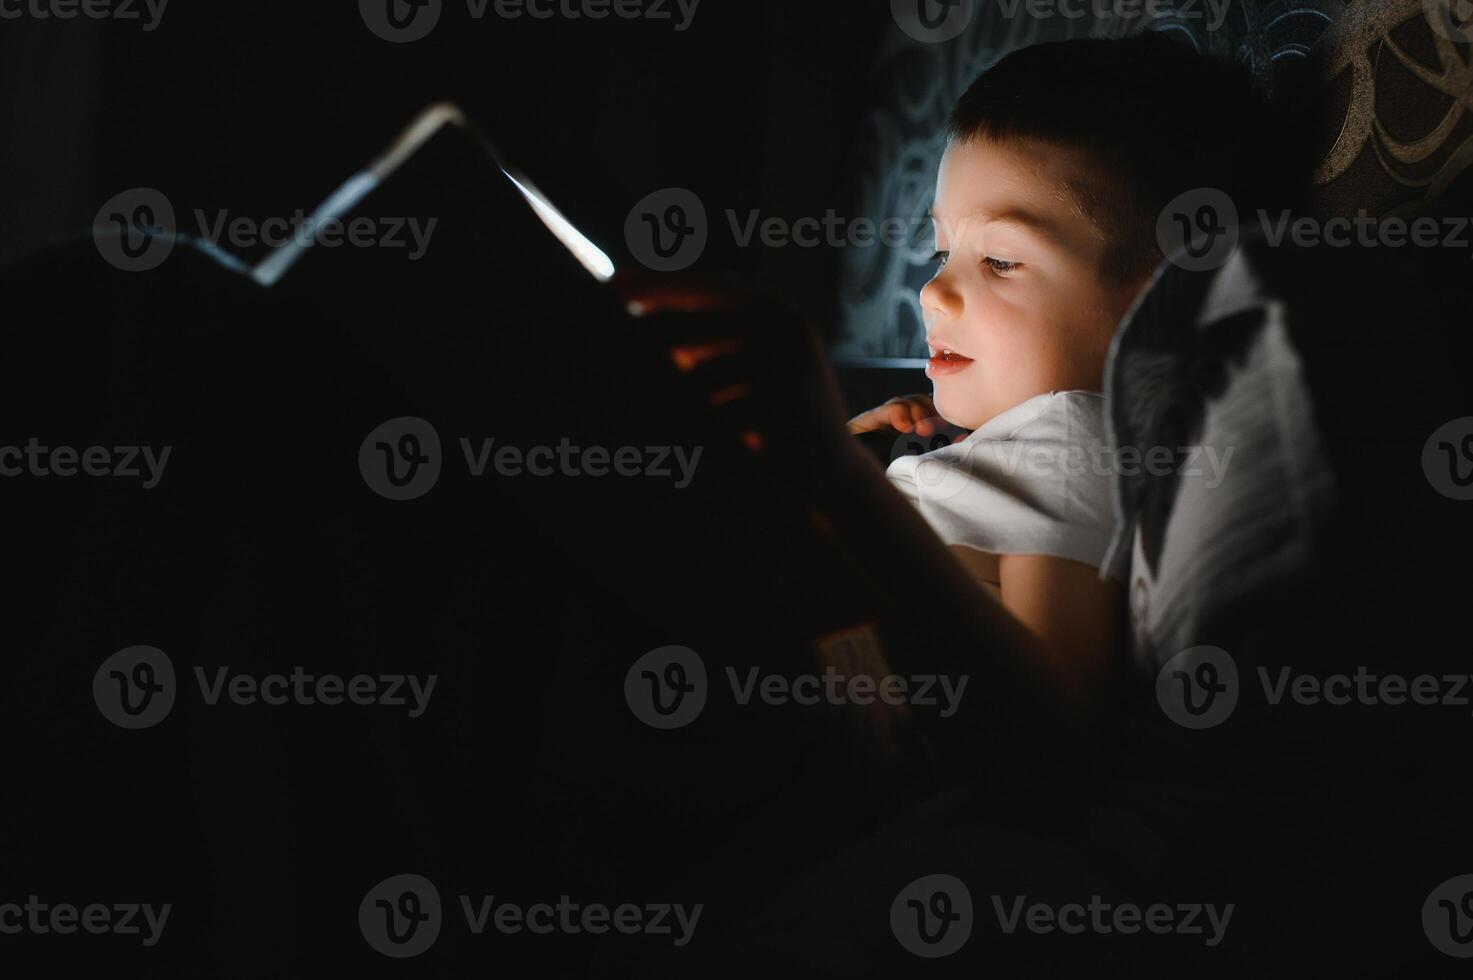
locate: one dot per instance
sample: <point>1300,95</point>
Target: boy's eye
<point>940,259</point>
<point>1001,266</point>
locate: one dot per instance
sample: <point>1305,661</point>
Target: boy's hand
<point>907,413</point>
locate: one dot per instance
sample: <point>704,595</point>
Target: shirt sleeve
<point>1039,485</point>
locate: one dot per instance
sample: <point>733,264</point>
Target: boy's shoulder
<point>1030,481</point>
<point>1069,417</point>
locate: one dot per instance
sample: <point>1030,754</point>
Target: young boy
<point>1060,161</point>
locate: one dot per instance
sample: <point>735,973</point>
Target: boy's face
<point>1020,300</point>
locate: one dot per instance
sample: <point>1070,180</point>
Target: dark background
<point>266,109</point>
<point>789,108</point>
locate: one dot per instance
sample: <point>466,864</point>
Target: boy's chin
<point>951,413</point>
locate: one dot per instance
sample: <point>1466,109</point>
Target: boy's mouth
<point>946,361</point>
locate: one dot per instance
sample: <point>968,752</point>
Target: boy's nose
<point>940,299</point>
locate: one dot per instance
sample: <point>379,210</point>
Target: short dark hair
<point>1152,116</point>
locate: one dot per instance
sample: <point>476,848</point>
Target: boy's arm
<point>1071,613</point>
<point>1017,730</point>
<point>1027,725</point>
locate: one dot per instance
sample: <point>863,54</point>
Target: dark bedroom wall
<point>267,108</point>
<point>48,137</point>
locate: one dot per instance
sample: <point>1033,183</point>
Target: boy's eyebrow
<point>1030,220</point>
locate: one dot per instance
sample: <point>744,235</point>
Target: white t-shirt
<point>1035,480</point>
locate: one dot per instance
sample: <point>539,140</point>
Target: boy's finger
<point>889,416</point>
<point>924,417</point>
